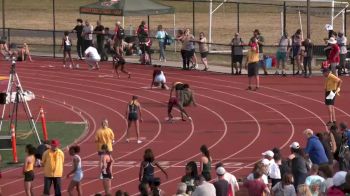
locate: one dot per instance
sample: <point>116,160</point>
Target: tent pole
<point>123,21</point>
<point>210,19</point>
<point>174,32</point>
<point>100,18</point>
<point>284,18</point>
<point>54,28</point>
<point>308,33</point>
<point>3,18</point>
<point>332,15</point>
<point>345,26</point>
<point>343,17</point>
<point>238,18</point>
<point>148,23</point>
<point>193,17</point>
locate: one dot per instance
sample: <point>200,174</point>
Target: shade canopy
<point>127,8</point>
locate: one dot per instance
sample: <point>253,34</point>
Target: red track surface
<point>236,124</point>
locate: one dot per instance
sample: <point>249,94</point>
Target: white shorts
<point>78,176</point>
<point>160,78</point>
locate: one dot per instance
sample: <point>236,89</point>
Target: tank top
<point>148,171</point>
<point>67,42</point>
<point>79,169</point>
<point>30,166</point>
<point>206,167</point>
<point>133,106</point>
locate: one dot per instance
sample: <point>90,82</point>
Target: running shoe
<point>127,140</point>
<point>64,66</point>
<point>70,66</point>
<point>139,141</point>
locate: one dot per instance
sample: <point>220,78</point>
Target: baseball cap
<point>55,143</point>
<point>295,145</point>
<point>220,171</point>
<point>265,162</point>
<point>339,178</point>
<point>268,153</point>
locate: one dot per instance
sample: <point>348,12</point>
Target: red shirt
<point>255,187</point>
<point>333,56</point>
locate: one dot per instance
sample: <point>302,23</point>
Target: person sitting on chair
<point>159,80</point>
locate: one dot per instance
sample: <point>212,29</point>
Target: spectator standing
<point>344,130</point>
<point>53,162</point>
<point>285,187</point>
<point>100,33</point>
<point>28,169</point>
<point>78,29</point>
<point>315,149</point>
<point>342,43</point>
<point>88,29</point>
<point>77,172</point>
<point>105,136</point>
<point>256,186</point>
<point>261,42</point>
<point>181,189</point>
<point>327,146</point>
<point>326,172</point>
<point>106,166</point>
<point>145,43</point>
<point>315,182</point>
<point>333,57</point>
<point>40,151</point>
<point>332,85</point>
<point>308,55</point>
<point>298,164</point>
<point>205,162</point>
<point>161,40</point>
<point>339,182</point>
<point>204,188</point>
<point>296,48</point>
<point>252,62</point>
<point>146,174</point>
<point>282,53</point>
<point>221,185</point>
<point>237,53</point>
<point>190,177</point>
<point>231,179</point>
<point>203,50</point>
<point>119,35</point>
<point>260,167</point>
<point>187,48</point>
<point>303,190</point>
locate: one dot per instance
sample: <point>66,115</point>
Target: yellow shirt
<point>30,166</point>
<point>253,56</point>
<point>331,82</point>
<point>104,136</point>
<point>53,163</point>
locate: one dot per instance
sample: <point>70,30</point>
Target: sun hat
<point>332,40</point>
<point>268,153</point>
<point>220,171</point>
<point>55,143</point>
<point>295,145</point>
<point>339,178</point>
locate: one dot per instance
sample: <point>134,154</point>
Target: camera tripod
<point>14,85</point>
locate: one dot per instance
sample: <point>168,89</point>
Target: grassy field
<point>66,133</point>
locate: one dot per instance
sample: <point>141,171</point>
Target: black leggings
<point>307,65</point>
<point>186,58</point>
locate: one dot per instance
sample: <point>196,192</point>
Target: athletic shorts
<point>281,56</point>
<point>204,55</point>
<point>108,175</point>
<point>133,116</point>
<point>78,176</point>
<point>29,176</point>
<point>253,69</point>
<point>329,101</point>
<point>237,59</point>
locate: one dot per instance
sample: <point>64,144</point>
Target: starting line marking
<point>75,122</point>
<point>106,76</point>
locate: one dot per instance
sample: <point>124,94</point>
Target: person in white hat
<point>231,179</point>
<point>339,179</point>
<point>333,57</point>
<point>221,185</point>
<point>342,43</point>
<point>298,164</point>
<point>273,171</point>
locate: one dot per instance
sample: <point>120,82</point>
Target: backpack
<point>120,33</point>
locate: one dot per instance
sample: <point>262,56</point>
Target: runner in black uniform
<point>133,114</point>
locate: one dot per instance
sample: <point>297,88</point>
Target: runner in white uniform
<point>77,171</point>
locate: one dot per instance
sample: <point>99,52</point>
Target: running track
<point>236,124</point>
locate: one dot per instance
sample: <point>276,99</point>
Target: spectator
<point>221,185</point>
<point>156,191</point>
<point>339,180</point>
<point>158,79</point>
<point>315,182</point>
<point>28,169</point>
<point>256,186</point>
<point>53,162</point>
<point>337,135</point>
<point>145,43</point>
<point>100,33</point>
<point>332,84</point>
<point>92,58</point>
<point>326,171</point>
<point>40,151</point>
<point>106,166</point>
<point>237,53</point>
<point>333,57</point>
<point>342,43</point>
<point>78,29</point>
<point>145,189</point>
<point>308,55</point>
<point>88,29</point>
<point>298,164</point>
<point>147,167</point>
<point>231,179</point>
<point>296,48</point>
<point>203,50</point>
<point>4,49</point>
<point>205,162</point>
<point>204,188</point>
<point>260,167</point>
<point>261,42</point>
<point>77,171</point>
<point>285,187</point>
<point>67,47</point>
<point>315,149</point>
<point>161,40</point>
<point>119,35</point>
<point>345,132</point>
<point>252,62</point>
<point>190,176</point>
<point>23,53</point>
<point>187,48</point>
<point>282,53</point>
<point>104,136</point>
<point>280,162</point>
<point>181,189</point>
<point>303,190</point>
<point>327,147</point>
<point>133,115</point>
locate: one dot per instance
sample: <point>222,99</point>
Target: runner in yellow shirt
<point>332,85</point>
<point>104,135</point>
